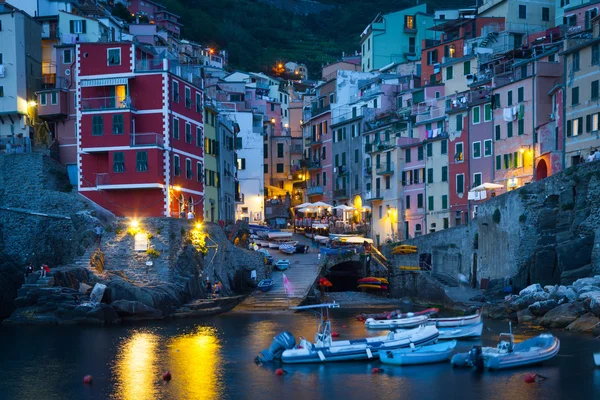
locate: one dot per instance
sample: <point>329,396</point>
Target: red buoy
<point>87,379</point>
<point>335,334</point>
<point>279,372</point>
<point>344,326</point>
<point>529,378</point>
<point>166,376</point>
<point>376,370</point>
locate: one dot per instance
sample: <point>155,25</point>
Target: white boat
<point>391,324</point>
<point>275,243</point>
<point>461,332</point>
<point>263,243</point>
<point>287,248</point>
<point>509,355</point>
<point>353,240</point>
<point>457,321</point>
<point>597,359</point>
<point>321,239</point>
<point>419,355</point>
<point>280,235</point>
<point>324,349</point>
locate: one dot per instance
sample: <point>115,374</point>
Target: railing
<point>313,140</point>
<point>148,65</point>
<point>374,195</point>
<point>107,103</point>
<point>54,82</point>
<point>313,164</point>
<point>102,179</point>
<point>147,139</point>
<point>368,170</point>
<point>342,170</point>
<point>385,169</point>
<point>340,193</point>
<point>12,145</point>
<point>314,190</point>
<point>369,148</point>
<point>296,149</point>
<point>381,146</point>
<point>320,110</point>
<point>434,112</point>
<point>239,197</point>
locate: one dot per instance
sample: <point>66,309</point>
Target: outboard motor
<point>476,358</point>
<point>283,341</point>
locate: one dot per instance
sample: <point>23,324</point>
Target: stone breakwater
<point>574,307</point>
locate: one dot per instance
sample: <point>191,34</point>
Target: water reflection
<point>195,360</point>
<point>136,369</point>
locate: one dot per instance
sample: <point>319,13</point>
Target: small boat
<point>419,355</point>
<point>282,265</point>
<point>368,286</point>
<point>396,314</point>
<point>280,235</point>
<point>321,239</point>
<point>266,284</point>
<point>597,359</point>
<point>287,248</point>
<point>509,355</point>
<point>373,281</point>
<point>458,321</point>
<point>324,349</point>
<point>351,239</point>
<point>391,324</point>
<point>263,243</point>
<point>275,243</point>
<point>461,332</point>
<point>326,251</point>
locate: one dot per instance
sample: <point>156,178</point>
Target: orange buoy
<point>335,334</point>
<point>376,370</point>
<point>87,379</point>
<point>166,376</point>
<point>279,372</point>
<point>529,378</point>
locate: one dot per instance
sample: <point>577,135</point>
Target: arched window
<point>417,227</point>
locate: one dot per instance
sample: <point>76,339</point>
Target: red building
<point>145,7</point>
<point>140,133</point>
<point>458,171</point>
<point>169,22</point>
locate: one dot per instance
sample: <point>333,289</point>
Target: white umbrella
<point>304,205</point>
<point>305,210</point>
<point>344,207</point>
<point>486,186</point>
<point>321,204</point>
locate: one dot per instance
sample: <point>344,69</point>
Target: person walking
<point>98,230</point>
<point>208,288</point>
<point>28,270</point>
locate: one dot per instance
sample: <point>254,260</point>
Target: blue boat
<point>282,265</point>
<point>419,355</point>
<point>266,284</point>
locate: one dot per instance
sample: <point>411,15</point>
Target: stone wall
<point>546,232</point>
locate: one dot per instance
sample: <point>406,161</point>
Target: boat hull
<point>403,323</point>
<point>265,285</point>
<point>463,332</point>
<point>457,321</point>
<point>421,355</point>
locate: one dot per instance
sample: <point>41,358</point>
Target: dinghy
<point>457,321</point>
<point>461,332</point>
<point>419,355</point>
<point>282,265</point>
<point>396,314</point>
<point>280,235</point>
<point>287,248</point>
<point>265,285</point>
<point>324,349</point>
<point>391,324</point>
<point>509,355</point>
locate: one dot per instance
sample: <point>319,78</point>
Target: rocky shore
<point>574,307</point>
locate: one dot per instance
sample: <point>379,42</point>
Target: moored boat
<point>266,284</point>
<point>280,235</point>
<point>403,323</point>
<point>419,355</point>
<point>457,321</point>
<point>397,314</point>
<point>287,248</point>
<point>461,332</point>
<point>282,265</point>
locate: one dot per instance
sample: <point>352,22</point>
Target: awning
<point>103,82</point>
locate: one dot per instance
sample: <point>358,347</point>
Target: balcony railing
<point>342,170</point>
<point>147,139</point>
<point>374,195</point>
<point>148,65</point>
<point>340,193</point>
<point>385,169</point>
<point>107,103</point>
<point>313,140</point>
<point>368,170</point>
<point>102,179</point>
<point>382,146</point>
<point>368,148</point>
<point>314,190</point>
<point>316,164</point>
<point>239,197</point>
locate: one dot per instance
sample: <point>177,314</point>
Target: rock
<point>563,291</point>
<point>518,303</point>
<point>596,330</point>
<point>594,305</point>
<point>84,288</point>
<point>585,323</point>
<point>496,311</point>
<point>562,315</point>
<point>11,279</point>
<point>524,316</point>
<point>568,277</point>
<point>134,309</point>
<point>102,314</point>
<point>589,295</point>
<point>540,308</point>
<point>575,253</point>
<point>536,287</point>
<point>580,283</point>
<point>587,288</point>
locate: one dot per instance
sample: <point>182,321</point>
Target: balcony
<point>147,139</point>
<point>410,28</point>
<point>314,140</point>
<point>107,103</point>
<point>314,190</point>
<point>296,149</point>
<point>368,148</point>
<point>374,195</point>
<point>53,104</point>
<point>386,169</point>
<point>368,170</point>
<point>342,170</point>
<point>148,65</point>
<point>239,197</point>
<point>341,193</point>
<point>382,146</point>
<point>316,164</point>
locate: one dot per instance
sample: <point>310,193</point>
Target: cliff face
<point>547,232</point>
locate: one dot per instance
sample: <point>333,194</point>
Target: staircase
<point>457,293</point>
<point>445,279</point>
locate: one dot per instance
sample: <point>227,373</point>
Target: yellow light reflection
<point>194,361</point>
<point>136,369</point>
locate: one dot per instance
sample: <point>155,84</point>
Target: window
<point>409,22</point>
<point>188,169</point>
<point>412,45</point>
<point>176,92</point>
<point>188,132</point>
<point>458,152</point>
<point>199,174</point>
<point>188,97</point>
<point>280,168</point>
<point>487,112</point>
<point>430,175</point>
<point>522,11</point>
<point>449,73</point>
<point>432,57</point>
<point>521,94</point>
<point>496,100</point>
<point>324,178</point>
<point>595,118</point>
<point>460,183</point>
<point>476,149</point>
<point>118,124</point>
<point>266,168</point>
<point>141,161</point>
<point>509,98</point>
<point>575,64</point>
<point>176,165</point>
<point>67,56</point>
<point>78,26</point>
<point>444,174</point>
<point>487,147</point>
<point>198,102</point>
<point>476,179</point>
<point>199,136</point>
<point>429,149</point>
<point>97,125</point>
<point>545,14</point>
<point>497,132</point>
<point>407,203</point>
<point>388,182</point>
<point>509,129</point>
<point>444,146</point>
<point>279,150</point>
<point>476,117</point>
<point>175,128</point>
<point>575,96</point>
<point>521,127</point>
<point>407,155</point>
<point>596,54</point>
<point>356,155</point>
<point>498,162</point>
<point>54,98</point>
<point>420,153</point>
<point>507,161</point>
<point>114,57</point>
<point>459,122</point>
<point>420,200</point>
<point>43,99</point>
<point>430,203</point>
<point>444,202</point>
<point>467,67</point>
<point>119,162</point>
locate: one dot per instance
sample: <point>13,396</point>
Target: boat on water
<point>396,314</point>
<point>280,235</point>
<point>266,284</point>
<point>325,349</point>
<point>352,240</point>
<point>391,324</point>
<point>457,321</point>
<point>432,353</point>
<point>508,354</point>
<point>282,265</point>
<point>461,332</point>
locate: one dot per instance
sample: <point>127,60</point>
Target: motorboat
<point>509,355</point>
<point>432,353</point>
<point>391,324</point>
<point>280,235</point>
<point>275,243</point>
<point>457,321</point>
<point>282,265</point>
<point>262,243</point>
<point>287,248</point>
<point>321,239</point>
<point>266,284</point>
<point>461,332</point>
<point>324,349</point>
<point>397,314</point>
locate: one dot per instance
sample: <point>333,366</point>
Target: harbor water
<point>214,359</point>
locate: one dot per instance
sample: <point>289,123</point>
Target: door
<point>474,276</point>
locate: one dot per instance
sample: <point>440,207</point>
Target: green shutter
<point>498,162</point>
<point>444,202</point>
<point>444,174</point>
<point>430,201</point>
